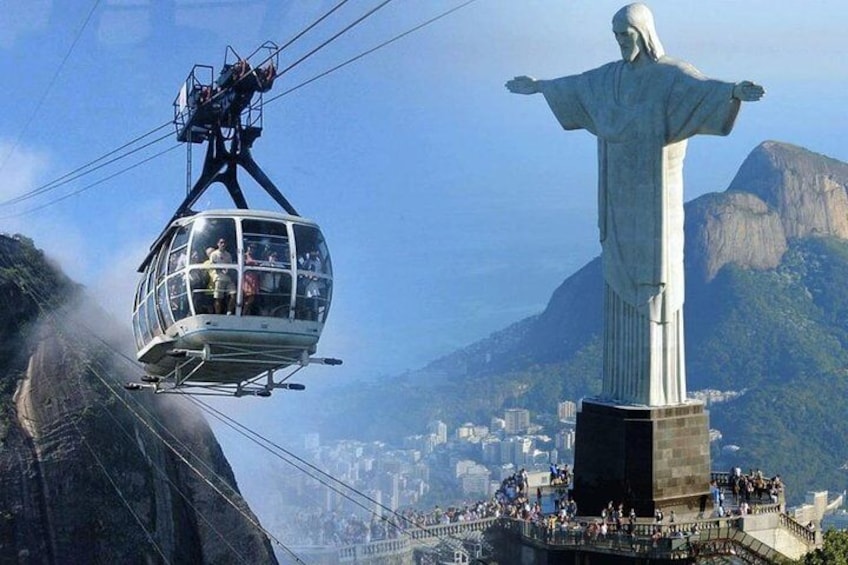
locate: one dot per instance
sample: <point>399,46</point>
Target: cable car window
<point>200,284</point>
<point>152,316</point>
<point>223,280</point>
<point>160,264</point>
<point>139,341</point>
<point>312,298</point>
<point>206,233</point>
<point>181,237</point>
<point>312,252</point>
<point>149,286</point>
<point>250,291</point>
<point>266,238</point>
<point>178,298</point>
<point>163,307</point>
<point>198,256</point>
<point>139,292</point>
<point>179,250</point>
<point>142,322</point>
<point>275,293</point>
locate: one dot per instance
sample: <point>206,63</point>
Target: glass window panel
<point>181,238</point>
<point>205,235</point>
<point>178,298</point>
<point>250,291</point>
<point>139,289</point>
<point>148,287</point>
<point>264,227</point>
<point>139,339</point>
<point>163,307</point>
<point>179,251</point>
<point>152,317</point>
<point>312,252</point>
<point>142,323</point>
<point>266,240</point>
<point>200,286</point>
<point>160,264</point>
<point>275,293</point>
<point>312,298</point>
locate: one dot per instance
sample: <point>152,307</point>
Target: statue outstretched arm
<point>747,91</point>
<point>524,85</point>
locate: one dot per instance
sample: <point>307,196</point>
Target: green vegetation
<point>24,275</point>
<point>834,551</point>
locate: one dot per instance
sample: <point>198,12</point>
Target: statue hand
<point>747,91</point>
<point>523,85</point>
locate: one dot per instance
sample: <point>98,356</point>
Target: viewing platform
<point>764,534</point>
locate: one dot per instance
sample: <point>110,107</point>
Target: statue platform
<point>644,457</point>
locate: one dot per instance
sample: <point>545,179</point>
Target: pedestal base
<point>644,457</point>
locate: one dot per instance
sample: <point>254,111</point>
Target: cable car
<point>227,298</point>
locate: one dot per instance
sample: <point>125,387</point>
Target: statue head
<point>634,30</point>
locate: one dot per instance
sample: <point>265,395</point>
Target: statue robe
<point>642,118</point>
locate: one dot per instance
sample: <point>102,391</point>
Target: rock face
<point>90,473</point>
<point>780,192</point>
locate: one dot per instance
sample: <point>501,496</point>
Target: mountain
<point>766,314</point>
<point>90,473</point>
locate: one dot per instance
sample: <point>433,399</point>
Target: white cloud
<point>21,170</point>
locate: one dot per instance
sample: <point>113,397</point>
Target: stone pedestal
<point>644,457</point>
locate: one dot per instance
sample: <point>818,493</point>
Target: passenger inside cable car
<point>227,265</point>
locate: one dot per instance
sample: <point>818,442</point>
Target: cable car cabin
<point>228,295</point>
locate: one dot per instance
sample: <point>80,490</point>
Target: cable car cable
<point>233,424</point>
<point>48,186</point>
<point>369,51</point>
<point>49,86</point>
<point>115,486</point>
<point>205,479</point>
<point>111,348</point>
<point>223,417</point>
<point>52,319</point>
<point>304,31</point>
<point>164,475</point>
<point>72,175</point>
<point>206,408</point>
<point>88,186</point>
<point>344,30</point>
<point>226,498</point>
<point>40,301</point>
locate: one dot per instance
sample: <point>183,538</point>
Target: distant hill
<point>86,473</point>
<point>766,312</point>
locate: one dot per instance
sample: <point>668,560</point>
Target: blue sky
<point>451,207</point>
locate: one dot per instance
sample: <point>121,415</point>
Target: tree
<point>834,551</point>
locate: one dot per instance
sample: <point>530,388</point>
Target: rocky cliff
<point>90,473</point>
<point>780,192</point>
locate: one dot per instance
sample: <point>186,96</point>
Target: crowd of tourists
<point>514,499</point>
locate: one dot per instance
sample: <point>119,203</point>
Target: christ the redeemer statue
<point>642,110</point>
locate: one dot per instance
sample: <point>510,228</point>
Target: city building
<point>517,420</point>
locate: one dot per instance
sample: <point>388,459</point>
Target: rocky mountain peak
<point>780,192</point>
